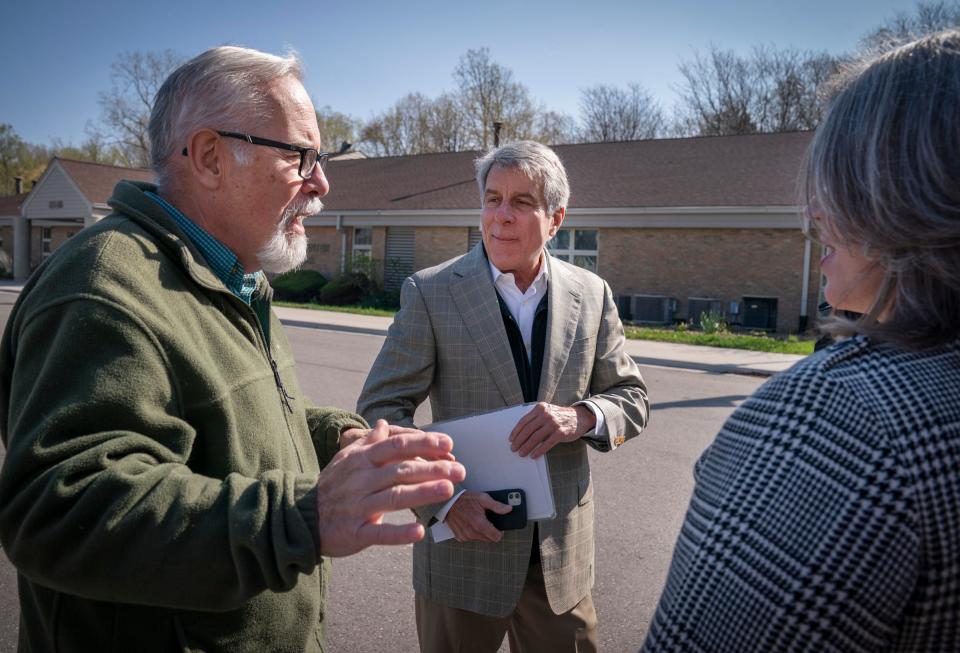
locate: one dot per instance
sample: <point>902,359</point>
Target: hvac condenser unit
<point>652,309</point>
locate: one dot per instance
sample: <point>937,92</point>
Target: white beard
<point>285,250</point>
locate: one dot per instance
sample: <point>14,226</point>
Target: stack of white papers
<point>481,443</point>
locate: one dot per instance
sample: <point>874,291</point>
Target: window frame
<point>364,249</point>
<point>46,242</point>
<point>570,253</point>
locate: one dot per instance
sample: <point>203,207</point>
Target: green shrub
<point>712,322</point>
<point>348,289</point>
<point>298,286</point>
<point>382,299</point>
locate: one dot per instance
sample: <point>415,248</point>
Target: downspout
<point>343,244</point>
<point>804,320</point>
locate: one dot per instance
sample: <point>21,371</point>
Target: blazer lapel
<point>565,296</point>
<point>471,287</point>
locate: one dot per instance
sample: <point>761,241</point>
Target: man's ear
<point>205,152</point>
<point>556,220</point>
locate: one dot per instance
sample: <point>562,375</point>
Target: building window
<point>577,246</point>
<point>362,242</point>
<point>46,240</point>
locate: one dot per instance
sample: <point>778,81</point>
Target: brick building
<point>676,226</point>
<point>68,196</point>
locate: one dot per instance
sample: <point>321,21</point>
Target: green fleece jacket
<point>158,492</point>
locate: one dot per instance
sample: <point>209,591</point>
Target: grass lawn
<point>356,310</point>
<point>792,345</point>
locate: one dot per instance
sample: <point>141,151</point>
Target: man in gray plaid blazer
<point>504,324</point>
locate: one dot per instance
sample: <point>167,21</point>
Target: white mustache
<point>301,207</point>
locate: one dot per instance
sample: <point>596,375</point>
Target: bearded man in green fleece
<point>167,486</point>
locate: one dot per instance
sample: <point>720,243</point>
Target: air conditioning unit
<point>698,305</point>
<point>624,303</point>
<point>760,313</point>
<point>652,309</point>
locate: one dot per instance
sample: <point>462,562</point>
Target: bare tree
<point>788,87</point>
<point>416,125</point>
<point>928,17</point>
<point>717,94</point>
<point>488,93</point>
<point>93,149</point>
<point>402,129</point>
<point>135,78</point>
<point>446,125</point>
<point>609,113</point>
<point>336,128</point>
<point>553,128</point>
<point>772,90</point>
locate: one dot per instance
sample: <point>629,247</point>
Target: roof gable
<point>97,180</point>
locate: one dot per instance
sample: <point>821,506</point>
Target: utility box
<point>759,313</point>
<point>653,309</point>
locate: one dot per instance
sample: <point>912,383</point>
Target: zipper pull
<point>283,391</point>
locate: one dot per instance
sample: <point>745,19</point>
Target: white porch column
<point>21,248</point>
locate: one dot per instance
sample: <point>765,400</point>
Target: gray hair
<point>537,161</point>
<point>885,167</point>
<point>222,88</point>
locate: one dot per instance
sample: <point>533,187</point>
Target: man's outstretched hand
<point>385,471</point>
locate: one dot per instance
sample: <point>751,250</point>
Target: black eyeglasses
<point>309,157</point>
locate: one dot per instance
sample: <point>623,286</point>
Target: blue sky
<point>363,56</point>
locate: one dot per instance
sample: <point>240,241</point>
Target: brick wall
<point>435,245</point>
<point>323,251</point>
<point>726,264</point>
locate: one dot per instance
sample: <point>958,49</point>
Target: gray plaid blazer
<point>448,341</point>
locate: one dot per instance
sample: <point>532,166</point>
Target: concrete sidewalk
<point>646,352</point>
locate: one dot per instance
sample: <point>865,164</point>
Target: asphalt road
<point>641,493</point>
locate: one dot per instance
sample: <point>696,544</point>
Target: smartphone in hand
<point>516,518</point>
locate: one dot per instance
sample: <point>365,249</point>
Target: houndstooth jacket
<point>448,341</point>
<point>826,514</point>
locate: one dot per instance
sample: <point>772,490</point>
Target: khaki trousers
<point>532,627</point>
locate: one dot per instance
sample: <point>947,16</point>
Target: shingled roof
<point>10,204</point>
<point>96,180</point>
<point>749,170</point>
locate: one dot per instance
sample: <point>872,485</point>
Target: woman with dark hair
<point>826,514</point>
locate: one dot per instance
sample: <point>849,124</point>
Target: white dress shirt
<point>523,308</point>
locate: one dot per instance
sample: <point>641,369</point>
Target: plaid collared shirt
<point>221,259</point>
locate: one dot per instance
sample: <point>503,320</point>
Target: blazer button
<point>619,440</point>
